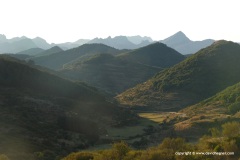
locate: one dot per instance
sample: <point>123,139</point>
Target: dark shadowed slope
<point>41,113</point>
<point>108,73</point>
<point>157,54</point>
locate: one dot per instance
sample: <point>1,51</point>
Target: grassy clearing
<point>160,117</point>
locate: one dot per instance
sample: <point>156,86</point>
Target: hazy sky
<point>69,20</point>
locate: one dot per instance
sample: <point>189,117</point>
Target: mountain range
<point>122,42</point>
<point>178,41</point>
<point>19,44</point>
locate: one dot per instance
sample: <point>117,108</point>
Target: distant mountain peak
<point>82,41</point>
<point>24,37</point>
<point>39,38</point>
<point>180,42</point>
<point>179,37</point>
<point>139,39</point>
<point>40,42</point>
<point>180,33</point>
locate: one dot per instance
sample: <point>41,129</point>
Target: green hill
<point>157,54</point>
<point>115,74</point>
<point>44,115</point>
<point>109,73</point>
<point>49,51</point>
<point>198,77</point>
<point>57,60</point>
<point>31,51</point>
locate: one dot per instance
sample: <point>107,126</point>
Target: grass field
<point>131,131</point>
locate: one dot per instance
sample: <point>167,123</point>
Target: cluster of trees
<point>225,139</point>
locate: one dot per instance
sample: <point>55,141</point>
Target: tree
<point>234,108</point>
<point>121,149</point>
<point>231,129</point>
<point>215,132</point>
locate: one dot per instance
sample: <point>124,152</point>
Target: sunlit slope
<point>212,112</point>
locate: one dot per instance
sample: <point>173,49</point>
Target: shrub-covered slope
<point>198,77</point>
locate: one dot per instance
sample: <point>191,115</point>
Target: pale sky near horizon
<point>69,20</point>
